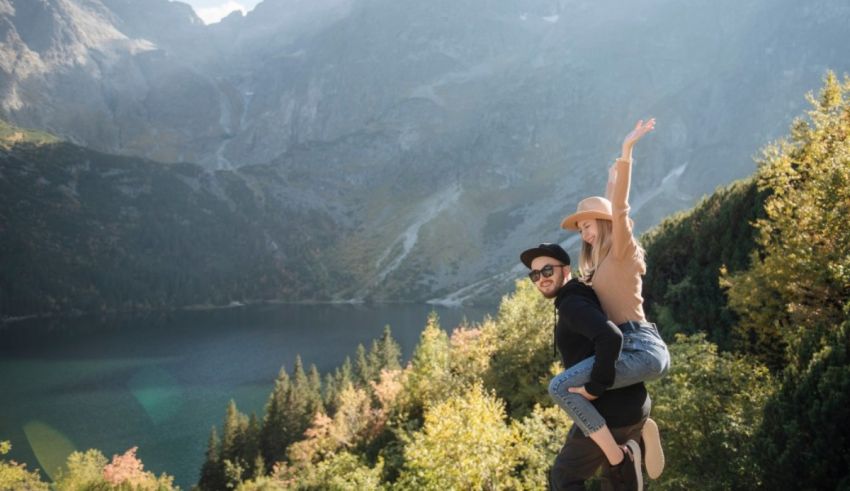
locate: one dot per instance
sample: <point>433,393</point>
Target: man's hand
<point>584,393</point>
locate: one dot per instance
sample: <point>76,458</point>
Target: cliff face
<point>438,138</point>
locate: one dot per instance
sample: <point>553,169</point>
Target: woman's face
<point>588,230</point>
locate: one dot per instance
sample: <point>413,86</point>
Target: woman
<point>612,262</point>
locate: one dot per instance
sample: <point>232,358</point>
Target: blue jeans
<point>644,357</point>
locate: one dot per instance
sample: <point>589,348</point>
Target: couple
<point>604,338</point>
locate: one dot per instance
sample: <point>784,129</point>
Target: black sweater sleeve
<point>587,319</point>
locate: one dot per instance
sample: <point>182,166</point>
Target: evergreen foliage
<point>795,299</point>
<point>541,435</point>
<point>298,437</point>
<point>805,437</point>
<point>800,279</point>
<point>708,408</point>
<point>235,445</point>
<point>388,352</point>
<point>274,439</point>
<point>523,341</point>
<point>429,377</point>
<point>212,472</point>
<point>87,231</point>
<point>686,253</point>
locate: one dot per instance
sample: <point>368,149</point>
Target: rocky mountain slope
<point>437,138</point>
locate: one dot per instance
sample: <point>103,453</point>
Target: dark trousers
<point>580,457</point>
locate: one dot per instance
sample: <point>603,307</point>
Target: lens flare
<point>50,447</point>
<point>157,392</point>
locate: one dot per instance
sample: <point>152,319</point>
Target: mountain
<point>438,138</point>
<point>85,231</point>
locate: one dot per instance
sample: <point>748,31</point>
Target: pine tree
<point>429,380</point>
<point>212,472</point>
<point>362,367</point>
<point>800,277</point>
<point>315,384</point>
<point>335,384</point>
<point>274,434</point>
<point>252,442</point>
<point>389,352</point>
<point>806,432</point>
<point>234,440</point>
<point>343,376</point>
<point>329,392</point>
<point>794,301</point>
<point>298,401</point>
<point>374,360</point>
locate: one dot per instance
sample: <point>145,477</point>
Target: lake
<point>161,381</point>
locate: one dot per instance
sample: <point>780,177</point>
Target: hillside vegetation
<point>752,288</point>
<point>85,231</point>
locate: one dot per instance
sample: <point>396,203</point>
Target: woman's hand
<point>583,392</point>
<point>640,129</point>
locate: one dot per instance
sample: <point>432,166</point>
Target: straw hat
<point>588,208</point>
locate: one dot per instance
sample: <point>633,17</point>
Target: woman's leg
<point>642,361</point>
<point>581,411</point>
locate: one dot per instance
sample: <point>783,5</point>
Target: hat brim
<point>531,254</point>
<point>571,222</point>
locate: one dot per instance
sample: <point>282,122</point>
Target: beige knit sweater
<point>617,280</point>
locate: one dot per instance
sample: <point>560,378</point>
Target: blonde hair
<point>590,257</point>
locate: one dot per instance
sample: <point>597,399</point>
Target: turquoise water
<point>161,382</point>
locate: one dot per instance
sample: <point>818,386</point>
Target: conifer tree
<point>315,383</point>
<point>794,301</point>
<point>374,360</point>
<point>274,434</point>
<point>289,411</point>
<point>389,352</point>
<point>362,367</point>
<point>429,378</point>
<point>329,391</point>
<point>233,440</point>
<point>344,375</point>
<point>212,472</point>
<point>301,403</point>
<point>800,277</point>
<point>522,354</point>
<point>335,384</point>
<point>252,442</point>
<point>806,433</point>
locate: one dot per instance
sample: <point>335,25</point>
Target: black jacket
<point>583,331</point>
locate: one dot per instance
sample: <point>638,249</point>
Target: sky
<point>211,11</point>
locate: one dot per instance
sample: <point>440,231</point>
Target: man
<point>582,331</point>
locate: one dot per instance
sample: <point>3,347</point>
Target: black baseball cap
<point>554,251</point>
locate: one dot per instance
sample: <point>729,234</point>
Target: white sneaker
<point>653,453</point>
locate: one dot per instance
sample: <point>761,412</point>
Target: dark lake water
<point>162,381</point>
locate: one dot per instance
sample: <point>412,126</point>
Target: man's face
<point>549,286</point>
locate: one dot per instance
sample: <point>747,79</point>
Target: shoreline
<point>9,320</point>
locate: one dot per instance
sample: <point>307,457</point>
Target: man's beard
<point>551,293</point>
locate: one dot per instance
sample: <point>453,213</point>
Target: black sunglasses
<point>546,271</point>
